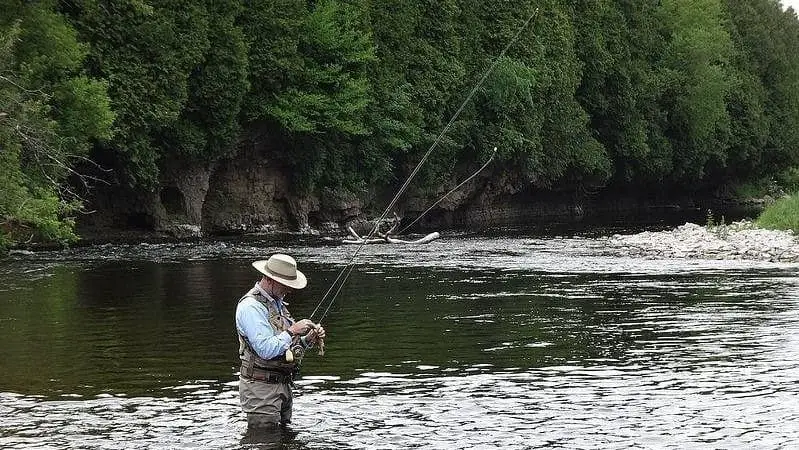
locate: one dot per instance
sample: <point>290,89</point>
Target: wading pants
<point>266,404</point>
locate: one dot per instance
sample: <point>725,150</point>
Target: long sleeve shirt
<point>252,322</point>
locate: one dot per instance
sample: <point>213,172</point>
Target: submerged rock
<point>740,240</point>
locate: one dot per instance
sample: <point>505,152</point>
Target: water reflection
<point>271,438</point>
<point>548,344</point>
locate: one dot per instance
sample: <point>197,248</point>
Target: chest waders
<point>277,369</point>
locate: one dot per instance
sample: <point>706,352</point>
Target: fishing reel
<point>295,353</point>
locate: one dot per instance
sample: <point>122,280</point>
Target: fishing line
<point>451,191</point>
<point>347,269</point>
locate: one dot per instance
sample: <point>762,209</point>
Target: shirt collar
<point>267,296</point>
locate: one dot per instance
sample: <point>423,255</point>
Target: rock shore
<point>739,240</point>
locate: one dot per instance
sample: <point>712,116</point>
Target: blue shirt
<point>252,322</point>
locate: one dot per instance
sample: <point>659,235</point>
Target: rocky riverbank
<point>739,240</point>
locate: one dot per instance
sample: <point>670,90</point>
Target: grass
<point>782,214</point>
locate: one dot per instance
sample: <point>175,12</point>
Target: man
<point>271,343</point>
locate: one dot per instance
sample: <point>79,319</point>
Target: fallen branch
<point>355,238</point>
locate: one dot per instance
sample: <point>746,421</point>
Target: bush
<point>782,215</point>
<point>789,179</point>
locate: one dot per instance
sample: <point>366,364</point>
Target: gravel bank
<point>739,240</point>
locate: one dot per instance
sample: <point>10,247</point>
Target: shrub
<point>782,214</point>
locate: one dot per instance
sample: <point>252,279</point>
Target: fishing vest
<point>255,367</point>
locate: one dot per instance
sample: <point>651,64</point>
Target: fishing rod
<point>338,283</point>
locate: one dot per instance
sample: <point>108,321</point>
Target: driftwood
<point>386,237</point>
<point>356,239</point>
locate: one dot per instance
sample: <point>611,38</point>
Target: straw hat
<point>283,269</point>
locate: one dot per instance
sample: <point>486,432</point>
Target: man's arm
<point>254,325</point>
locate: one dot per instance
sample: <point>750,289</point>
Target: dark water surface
<point>467,342</point>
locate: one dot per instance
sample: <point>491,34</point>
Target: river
<point>471,341</point>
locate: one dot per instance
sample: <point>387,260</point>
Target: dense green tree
<point>308,69</point>
<point>394,117</point>
<point>306,63</point>
<point>431,58</point>
<point>765,104</point>
<point>50,113</point>
<point>694,72</point>
<point>616,42</point>
<point>208,127</point>
<point>349,94</point>
<point>147,52</point>
<point>528,108</point>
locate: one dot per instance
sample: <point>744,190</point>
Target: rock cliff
<point>254,193</point>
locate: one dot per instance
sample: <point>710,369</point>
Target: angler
<point>271,343</point>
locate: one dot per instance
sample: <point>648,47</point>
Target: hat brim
<point>297,283</point>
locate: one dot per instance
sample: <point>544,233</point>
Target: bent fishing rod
<point>341,279</point>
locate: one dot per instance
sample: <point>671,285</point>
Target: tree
<point>616,41</point>
<point>208,127</point>
<point>528,108</point>
<point>308,66</point>
<point>147,53</point>
<point>50,114</point>
<point>694,72</point>
<point>765,103</point>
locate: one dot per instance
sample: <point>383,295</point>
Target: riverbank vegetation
<point>51,112</point>
<point>783,214</point>
<point>667,96</point>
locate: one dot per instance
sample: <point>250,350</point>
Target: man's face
<point>278,290</point>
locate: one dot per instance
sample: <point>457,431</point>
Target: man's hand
<point>317,333</point>
<point>301,328</point>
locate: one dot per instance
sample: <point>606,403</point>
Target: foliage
<point>50,113</point>
<point>31,211</point>
<point>789,179</point>
<point>782,215</point>
<point>147,53</point>
<point>432,60</point>
<point>774,187</point>
<point>314,82</point>
<point>765,104</point>
<point>696,83</point>
<point>347,95</point>
<point>208,127</point>
<point>310,82</point>
<point>617,43</point>
<point>530,109</point>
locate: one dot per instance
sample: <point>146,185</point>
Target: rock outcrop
<point>252,193</point>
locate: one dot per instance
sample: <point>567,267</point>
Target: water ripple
<point>464,343</point>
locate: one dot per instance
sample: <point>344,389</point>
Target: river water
<point>467,342</point>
